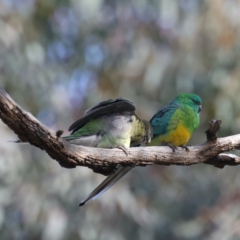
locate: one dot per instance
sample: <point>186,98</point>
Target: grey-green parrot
<point>110,124</point>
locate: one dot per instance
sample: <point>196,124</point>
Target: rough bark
<point>103,161</point>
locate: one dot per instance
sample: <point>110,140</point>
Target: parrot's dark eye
<point>200,108</point>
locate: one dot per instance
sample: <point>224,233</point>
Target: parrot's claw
<point>174,148</point>
<point>185,147</point>
<point>125,150</point>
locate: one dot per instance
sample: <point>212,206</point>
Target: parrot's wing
<point>89,135</point>
<point>106,184</point>
<point>118,105</point>
<point>161,121</point>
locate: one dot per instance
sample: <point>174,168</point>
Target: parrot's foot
<point>124,149</point>
<point>185,147</point>
<point>174,148</point>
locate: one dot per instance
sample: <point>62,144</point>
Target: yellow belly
<point>176,137</point>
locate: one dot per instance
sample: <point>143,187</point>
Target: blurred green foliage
<point>58,58</point>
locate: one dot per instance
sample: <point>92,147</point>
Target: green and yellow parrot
<point>172,125</point>
<point>110,124</point>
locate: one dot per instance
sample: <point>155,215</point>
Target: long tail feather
<point>106,184</point>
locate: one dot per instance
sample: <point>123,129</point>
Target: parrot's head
<point>192,100</point>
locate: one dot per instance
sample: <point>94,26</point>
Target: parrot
<point>172,125</point>
<point>110,124</point>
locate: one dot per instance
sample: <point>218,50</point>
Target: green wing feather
<point>92,127</point>
<point>162,119</point>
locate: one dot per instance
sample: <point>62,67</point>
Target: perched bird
<point>172,125</point>
<point>110,124</point>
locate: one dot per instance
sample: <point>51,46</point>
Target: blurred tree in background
<point>58,58</point>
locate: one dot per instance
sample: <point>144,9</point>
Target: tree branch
<point>104,161</point>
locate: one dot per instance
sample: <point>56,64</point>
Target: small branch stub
<point>220,160</point>
<point>213,129</point>
<point>59,133</point>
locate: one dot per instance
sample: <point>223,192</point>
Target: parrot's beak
<point>200,108</point>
